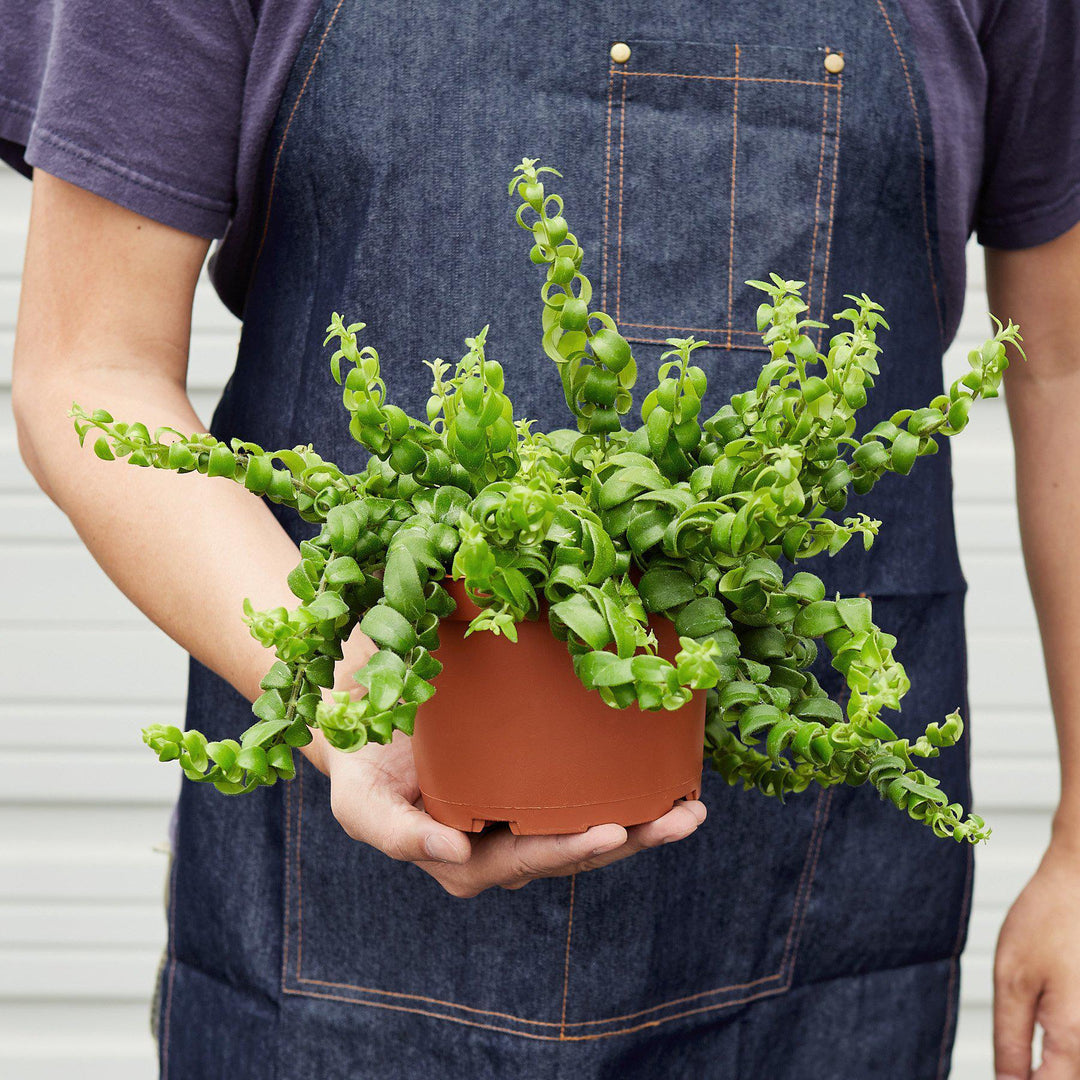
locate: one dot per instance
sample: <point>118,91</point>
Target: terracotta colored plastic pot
<point>512,735</point>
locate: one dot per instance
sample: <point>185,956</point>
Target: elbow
<point>27,402</point>
<point>22,410</point>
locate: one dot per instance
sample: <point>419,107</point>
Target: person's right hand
<point>375,797</point>
<point>1037,970</point>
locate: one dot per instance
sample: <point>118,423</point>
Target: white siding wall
<point>82,803</point>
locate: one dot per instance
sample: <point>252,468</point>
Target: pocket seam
<point>731,222</point>
<point>948,1027</point>
<point>171,951</point>
<point>782,978</point>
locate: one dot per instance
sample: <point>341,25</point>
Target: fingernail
<point>439,848</point>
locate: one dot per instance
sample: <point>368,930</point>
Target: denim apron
<point>817,939</point>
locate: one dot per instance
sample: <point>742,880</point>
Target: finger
<point>1061,1038</point>
<point>677,824</point>
<point>1015,997</point>
<point>382,817</point>
<point>514,862</point>
<point>501,858</point>
<point>531,857</point>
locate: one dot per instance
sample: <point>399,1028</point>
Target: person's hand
<point>1037,972</point>
<point>375,797</point>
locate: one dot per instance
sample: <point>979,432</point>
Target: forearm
<point>185,550</point>
<point>1040,288</point>
<point>1043,410</point>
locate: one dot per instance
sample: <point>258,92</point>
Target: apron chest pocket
<point>720,165</point>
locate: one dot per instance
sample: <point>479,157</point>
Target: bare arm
<point>1037,973</point>
<point>105,319</point>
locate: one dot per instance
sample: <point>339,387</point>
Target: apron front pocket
<point>706,924</point>
<point>721,165</point>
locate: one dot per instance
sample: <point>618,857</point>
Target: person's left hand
<point>1037,972</point>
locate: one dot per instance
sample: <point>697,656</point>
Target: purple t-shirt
<point>166,108</point>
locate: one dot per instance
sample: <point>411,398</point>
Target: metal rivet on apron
<point>620,52</point>
<point>834,63</point>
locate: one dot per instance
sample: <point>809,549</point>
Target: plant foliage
<point>697,518</point>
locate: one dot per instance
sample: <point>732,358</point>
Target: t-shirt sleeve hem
<point>188,211</point>
<point>15,122</point>
<point>1032,227</point>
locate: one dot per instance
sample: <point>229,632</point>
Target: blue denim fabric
<point>814,940</point>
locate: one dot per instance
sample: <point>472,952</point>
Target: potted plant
<point>615,574</point>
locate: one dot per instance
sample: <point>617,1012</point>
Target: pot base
<point>551,820</point>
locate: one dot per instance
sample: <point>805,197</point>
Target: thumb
<point>385,819</point>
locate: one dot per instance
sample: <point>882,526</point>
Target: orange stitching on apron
<point>696,329</point>
<point>832,203</point>
<point>731,226</point>
<point>954,961</point>
<point>423,997</point>
<point>422,1012</point>
<point>710,345</point>
<point>172,965</point>
<point>299,883</point>
<point>804,878</point>
<point>287,910</point>
<point>817,192</point>
<point>607,185</point>
<point>542,1023</point>
<point>566,963</point>
<point>622,161</point>
<point>820,841</point>
<point>922,164</point>
<point>799,909</point>
<point>533,1034</point>
<point>727,78</point>
<point>681,1001</point>
<point>285,135</point>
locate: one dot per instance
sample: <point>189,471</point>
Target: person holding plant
<point>347,152</point>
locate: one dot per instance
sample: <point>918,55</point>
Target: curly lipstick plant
<point>698,520</point>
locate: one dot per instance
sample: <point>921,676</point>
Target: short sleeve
<point>137,102</point>
<point>1030,191</point>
